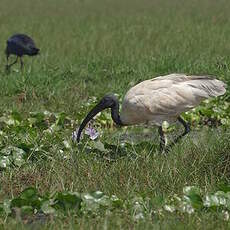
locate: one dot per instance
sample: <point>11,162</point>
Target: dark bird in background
<point>19,45</point>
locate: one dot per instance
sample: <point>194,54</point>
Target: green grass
<point>90,48</point>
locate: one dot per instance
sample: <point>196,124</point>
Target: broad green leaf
<point>68,200</point>
<point>4,161</point>
<point>1,208</point>
<point>97,194</point>
<point>29,193</point>
<point>16,116</point>
<point>54,128</point>
<point>98,145</point>
<point>27,210</point>
<point>169,208</point>
<point>19,202</point>
<point>67,144</point>
<point>116,202</point>
<point>47,208</point>
<point>18,156</point>
<point>216,200</point>
<point>12,155</point>
<point>6,206</point>
<point>62,119</point>
<point>190,190</point>
<point>224,187</point>
<point>192,195</point>
<point>25,146</point>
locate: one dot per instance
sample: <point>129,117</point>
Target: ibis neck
<point>115,114</point>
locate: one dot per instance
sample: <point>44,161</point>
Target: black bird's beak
<point>98,108</point>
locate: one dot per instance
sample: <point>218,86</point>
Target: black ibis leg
<point>22,64</point>
<point>186,126</point>
<point>9,65</point>
<point>186,131</point>
<point>162,139</point>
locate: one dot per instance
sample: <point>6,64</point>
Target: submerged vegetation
<point>115,177</point>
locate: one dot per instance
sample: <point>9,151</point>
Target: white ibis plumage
<point>159,99</point>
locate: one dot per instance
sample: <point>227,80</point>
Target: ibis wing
<point>164,98</point>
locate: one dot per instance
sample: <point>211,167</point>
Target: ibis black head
<point>108,101</point>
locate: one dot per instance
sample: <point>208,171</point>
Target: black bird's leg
<point>162,139</point>
<point>7,59</point>
<point>21,63</point>
<point>186,131</point>
<point>9,65</point>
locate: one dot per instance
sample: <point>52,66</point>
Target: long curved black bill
<point>98,108</point>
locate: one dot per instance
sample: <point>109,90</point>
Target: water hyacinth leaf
<point>25,146</point>
<point>196,201</point>
<point>95,201</point>
<point>186,207</point>
<point>66,144</point>
<point>27,210</point>
<point>54,128</point>
<point>62,119</point>
<point>169,208</point>
<point>225,215</point>
<point>97,194</point>
<point>116,202</point>
<point>16,116</point>
<point>19,202</point>
<point>224,187</point>
<point>32,120</point>
<point>139,216</point>
<point>138,207</point>
<point>39,116</point>
<point>4,162</point>
<point>193,195</point>
<point>28,197</point>
<point>104,201</point>
<point>47,208</point>
<point>18,156</point>
<point>12,154</point>
<point>225,121</point>
<point>29,193</point>
<point>189,190</point>
<point>37,119</point>
<point>7,206</point>
<point>6,151</point>
<point>105,119</point>
<point>68,200</point>
<point>89,204</point>
<point>228,202</point>
<point>215,200</point>
<point>98,145</point>
<point>1,209</point>
<point>11,121</point>
<point>138,211</point>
